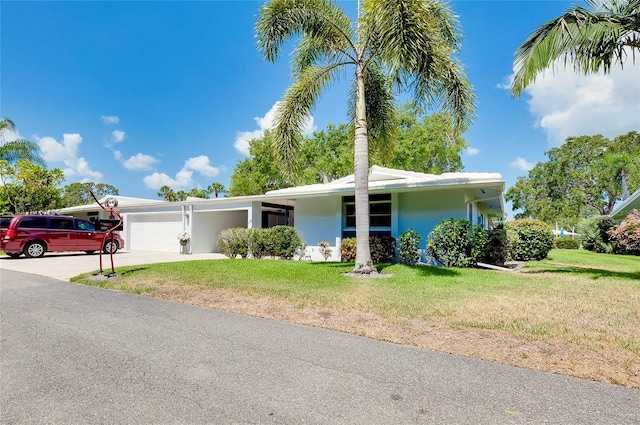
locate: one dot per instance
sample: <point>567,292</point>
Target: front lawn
<point>576,312</point>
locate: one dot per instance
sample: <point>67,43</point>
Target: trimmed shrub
<point>496,248</point>
<point>261,243</point>
<point>528,239</point>
<point>594,235</point>
<point>235,241</point>
<point>383,248</point>
<point>348,250</point>
<point>456,243</point>
<point>409,249</point>
<point>627,234</point>
<point>566,243</point>
<point>287,242</point>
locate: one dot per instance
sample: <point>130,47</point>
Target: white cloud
<point>266,123</point>
<point>472,151</point>
<point>184,177</point>
<point>117,136</point>
<point>565,103</point>
<point>201,164</point>
<point>110,119</point>
<point>139,161</point>
<point>522,164</point>
<point>66,152</point>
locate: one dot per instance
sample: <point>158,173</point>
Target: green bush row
<point>458,243</point>
<point>278,241</point>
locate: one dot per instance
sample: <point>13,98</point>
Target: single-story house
<point>323,212</point>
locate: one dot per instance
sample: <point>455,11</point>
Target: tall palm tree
<point>216,188</point>
<point>15,150</point>
<point>395,46</point>
<point>592,38</point>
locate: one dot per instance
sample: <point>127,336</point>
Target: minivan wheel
<point>35,249</point>
<point>110,247</point>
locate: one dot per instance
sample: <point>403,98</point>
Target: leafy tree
<point>592,38</point>
<point>29,188</point>
<point>428,146</point>
<point>181,195</point>
<point>327,155</point>
<point>216,188</point>
<point>78,193</point>
<point>396,45</point>
<point>15,150</point>
<point>258,173</point>
<point>583,177</point>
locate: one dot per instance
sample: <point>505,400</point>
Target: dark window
<point>61,223</point>
<point>33,223</point>
<point>4,222</point>
<point>379,212</point>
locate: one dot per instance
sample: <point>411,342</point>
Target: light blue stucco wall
<point>318,219</point>
<point>422,211</point>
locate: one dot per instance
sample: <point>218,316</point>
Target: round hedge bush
<point>528,239</point>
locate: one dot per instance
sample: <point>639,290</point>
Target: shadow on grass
<point>424,270</point>
<point>592,273</point>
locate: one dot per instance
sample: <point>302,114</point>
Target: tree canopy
<point>29,188</point>
<point>78,193</point>
<point>427,145</point>
<point>584,177</point>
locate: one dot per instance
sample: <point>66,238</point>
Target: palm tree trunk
<point>361,175</point>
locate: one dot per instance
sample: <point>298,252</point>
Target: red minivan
<point>33,235</point>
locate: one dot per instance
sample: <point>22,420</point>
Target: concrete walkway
<point>64,266</point>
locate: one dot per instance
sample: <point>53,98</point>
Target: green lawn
<point>578,300</point>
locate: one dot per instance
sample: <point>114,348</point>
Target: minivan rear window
<point>33,223</point>
<point>4,222</point>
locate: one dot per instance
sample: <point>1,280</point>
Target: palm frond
<point>416,41</point>
<point>590,39</point>
<point>294,109</point>
<point>16,150</point>
<point>280,20</point>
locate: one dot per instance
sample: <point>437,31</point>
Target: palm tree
<point>167,194</point>
<point>216,188</point>
<point>396,45</point>
<point>198,193</point>
<point>15,150</point>
<point>592,39</point>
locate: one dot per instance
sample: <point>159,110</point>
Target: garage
<point>154,232</point>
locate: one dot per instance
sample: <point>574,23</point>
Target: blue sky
<point>142,94</point>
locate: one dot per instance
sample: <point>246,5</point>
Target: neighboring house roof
<point>625,207</point>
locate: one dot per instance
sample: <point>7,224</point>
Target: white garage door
<point>155,232</point>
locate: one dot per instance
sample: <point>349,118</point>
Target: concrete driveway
<point>63,266</point>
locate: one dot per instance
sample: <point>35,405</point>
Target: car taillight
<point>11,233</point>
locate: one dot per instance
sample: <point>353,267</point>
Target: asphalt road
<point>72,354</point>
